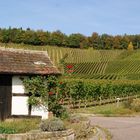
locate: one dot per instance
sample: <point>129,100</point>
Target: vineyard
<point>91,77</point>
<point>98,64</point>
<point>92,64</point>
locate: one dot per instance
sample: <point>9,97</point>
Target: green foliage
<point>4,130</point>
<point>45,91</point>
<point>74,40</point>
<point>54,124</point>
<point>58,110</point>
<point>38,90</point>
<point>77,91</point>
<point>77,41</point>
<point>57,38</point>
<point>85,91</point>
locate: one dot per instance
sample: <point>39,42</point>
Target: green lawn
<point>19,125</point>
<point>108,110</point>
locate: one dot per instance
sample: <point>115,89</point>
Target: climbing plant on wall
<point>45,91</point>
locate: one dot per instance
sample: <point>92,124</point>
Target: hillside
<point>93,64</point>
<point>99,64</point>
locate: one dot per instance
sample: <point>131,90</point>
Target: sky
<point>114,17</point>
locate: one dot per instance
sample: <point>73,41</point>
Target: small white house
<point>16,64</point>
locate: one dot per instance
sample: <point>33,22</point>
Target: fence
<point>87,103</point>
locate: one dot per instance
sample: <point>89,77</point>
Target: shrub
<point>135,105</point>
<point>54,124</point>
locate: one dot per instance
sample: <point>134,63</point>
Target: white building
<point>14,66</point>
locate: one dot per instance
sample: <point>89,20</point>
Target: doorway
<point>5,96</point>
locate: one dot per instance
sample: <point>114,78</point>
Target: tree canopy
<point>75,40</point>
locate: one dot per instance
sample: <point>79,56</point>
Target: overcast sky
<point>73,16</point>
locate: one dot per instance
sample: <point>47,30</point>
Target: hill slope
<point>93,64</point>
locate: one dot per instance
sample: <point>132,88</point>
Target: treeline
<point>77,40</point>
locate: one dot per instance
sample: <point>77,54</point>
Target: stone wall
<point>38,135</point>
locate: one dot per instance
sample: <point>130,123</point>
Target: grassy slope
<point>108,110</point>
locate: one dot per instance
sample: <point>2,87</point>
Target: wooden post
<point>118,102</point>
<point>100,100</point>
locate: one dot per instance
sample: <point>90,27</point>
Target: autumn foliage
<point>74,40</point>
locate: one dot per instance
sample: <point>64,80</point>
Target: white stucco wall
<point>40,111</point>
<point>19,103</point>
<point>17,85</point>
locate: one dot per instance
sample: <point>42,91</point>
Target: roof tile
<point>16,61</point>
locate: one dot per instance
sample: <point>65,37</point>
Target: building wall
<point>17,85</point>
<point>20,99</point>
<point>19,105</point>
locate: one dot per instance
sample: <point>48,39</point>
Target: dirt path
<point>121,128</point>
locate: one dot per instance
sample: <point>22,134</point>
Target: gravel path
<point>121,128</point>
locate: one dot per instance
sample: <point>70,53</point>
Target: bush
<point>54,124</point>
<point>135,105</point>
<point>58,110</point>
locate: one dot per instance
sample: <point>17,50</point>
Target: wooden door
<point>5,96</point>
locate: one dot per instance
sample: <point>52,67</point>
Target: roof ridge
<point>22,50</point>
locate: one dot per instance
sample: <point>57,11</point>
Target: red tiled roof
<point>16,61</point>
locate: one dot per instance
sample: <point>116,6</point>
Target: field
<point>92,64</point>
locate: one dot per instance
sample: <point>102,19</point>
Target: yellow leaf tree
<point>130,46</point>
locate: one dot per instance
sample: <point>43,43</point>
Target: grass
<point>108,110</point>
<point>19,125</point>
<point>13,126</point>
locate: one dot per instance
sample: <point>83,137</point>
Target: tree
<point>116,42</point>
<point>105,42</point>
<point>77,41</point>
<point>17,35</point>
<point>28,37</point>
<point>124,42</point>
<point>94,40</point>
<point>130,46</point>
<point>43,37</point>
<point>5,36</point>
<point>57,38</point>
